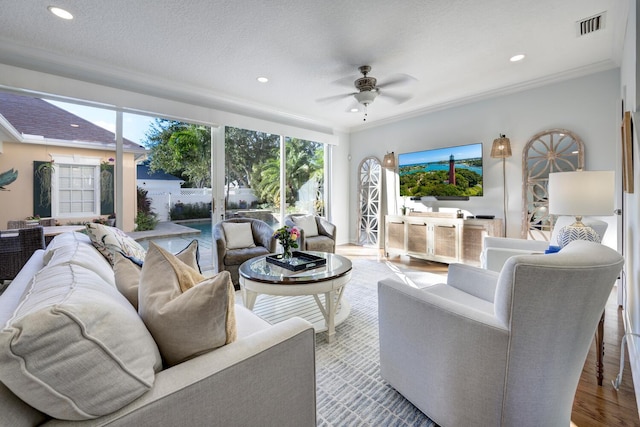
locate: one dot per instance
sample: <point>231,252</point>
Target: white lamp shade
<point>366,97</point>
<point>581,193</point>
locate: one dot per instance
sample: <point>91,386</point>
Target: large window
<point>252,175</point>
<point>75,187</point>
<point>305,176</point>
<point>77,192</point>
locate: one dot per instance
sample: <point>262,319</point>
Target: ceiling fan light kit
<point>366,98</point>
<point>369,89</point>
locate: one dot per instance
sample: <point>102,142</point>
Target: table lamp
<point>580,193</point>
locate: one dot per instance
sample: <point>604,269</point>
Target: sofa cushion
<point>186,313</point>
<point>238,235</point>
<point>64,239</point>
<point>74,348</point>
<point>81,253</point>
<point>127,271</point>
<point>238,256</point>
<point>319,243</point>
<point>308,224</point>
<point>108,240</point>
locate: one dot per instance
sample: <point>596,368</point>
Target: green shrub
<point>146,221</point>
<point>146,218</point>
<point>198,210</point>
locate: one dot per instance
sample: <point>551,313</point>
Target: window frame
<point>55,184</point>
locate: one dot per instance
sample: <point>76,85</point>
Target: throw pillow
<point>238,235</point>
<point>74,348</point>
<point>109,240</point>
<point>127,270</point>
<point>308,224</point>
<point>186,313</point>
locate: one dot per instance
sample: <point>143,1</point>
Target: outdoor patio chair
<point>16,247</point>
<point>237,244</point>
<point>317,234</point>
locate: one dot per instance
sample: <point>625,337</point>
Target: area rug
<point>350,391</point>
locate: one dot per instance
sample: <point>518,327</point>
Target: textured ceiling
<point>210,52</point>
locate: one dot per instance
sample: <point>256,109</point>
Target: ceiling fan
<point>369,89</point>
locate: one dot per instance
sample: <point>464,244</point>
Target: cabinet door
<point>445,241</point>
<point>472,243</point>
<point>395,233</point>
<point>417,238</point>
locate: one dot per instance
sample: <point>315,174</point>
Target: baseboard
<point>633,347</point>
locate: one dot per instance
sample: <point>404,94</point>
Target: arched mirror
<point>369,189</point>
<point>554,150</point>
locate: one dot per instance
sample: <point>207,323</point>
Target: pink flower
<point>295,233</point>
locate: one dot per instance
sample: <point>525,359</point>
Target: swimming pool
<point>175,244</point>
<point>204,238</point>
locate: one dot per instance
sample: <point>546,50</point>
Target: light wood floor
<point>593,405</point>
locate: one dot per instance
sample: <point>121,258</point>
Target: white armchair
<point>497,349</point>
<point>498,249</point>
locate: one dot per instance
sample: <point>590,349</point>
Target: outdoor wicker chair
<point>16,247</point>
<point>15,224</point>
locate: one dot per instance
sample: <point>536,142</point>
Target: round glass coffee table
<point>257,276</point>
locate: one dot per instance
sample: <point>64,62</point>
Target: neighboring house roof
<point>35,117</point>
<point>144,173</point>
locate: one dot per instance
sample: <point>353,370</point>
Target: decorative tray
<point>298,261</point>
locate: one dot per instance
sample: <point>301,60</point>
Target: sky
<point>134,129</point>
<point>459,152</point>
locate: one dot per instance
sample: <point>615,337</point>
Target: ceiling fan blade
<point>397,98</point>
<point>345,81</point>
<point>398,80</point>
<point>333,98</point>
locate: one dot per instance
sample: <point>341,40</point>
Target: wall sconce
<point>501,149</point>
<point>389,161</point>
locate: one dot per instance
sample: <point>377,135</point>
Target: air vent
<point>590,25</point>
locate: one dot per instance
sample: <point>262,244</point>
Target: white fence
<point>239,198</point>
<point>163,201</point>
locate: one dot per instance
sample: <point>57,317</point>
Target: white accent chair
<point>497,349</point>
<point>498,249</point>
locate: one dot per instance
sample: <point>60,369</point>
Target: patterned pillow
<point>186,313</point>
<point>109,240</point>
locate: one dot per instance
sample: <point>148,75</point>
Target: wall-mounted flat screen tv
<point>444,173</point>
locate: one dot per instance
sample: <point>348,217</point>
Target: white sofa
<point>265,377</point>
<point>497,349</point>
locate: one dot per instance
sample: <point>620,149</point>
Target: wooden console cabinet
<point>439,237</point>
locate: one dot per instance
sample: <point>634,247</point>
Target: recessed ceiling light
<point>262,79</point>
<point>60,13</point>
<point>516,58</point>
<point>354,110</point>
